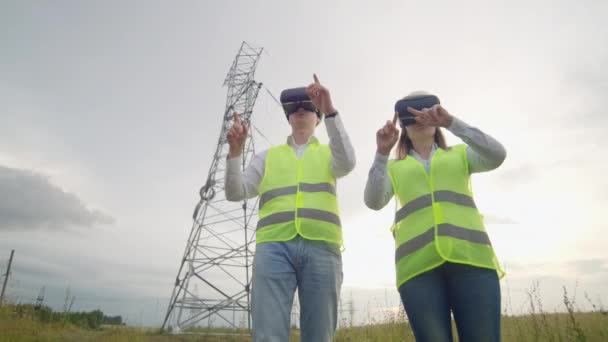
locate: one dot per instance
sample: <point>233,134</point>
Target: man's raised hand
<point>237,134</point>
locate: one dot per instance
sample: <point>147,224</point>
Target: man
<point>299,236</point>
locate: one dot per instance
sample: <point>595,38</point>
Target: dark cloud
<point>29,200</point>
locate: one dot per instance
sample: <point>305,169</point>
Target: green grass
<point>592,327</point>
<point>553,327</point>
<point>537,325</point>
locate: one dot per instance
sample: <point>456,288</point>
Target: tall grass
<point>390,325</point>
<point>537,325</point>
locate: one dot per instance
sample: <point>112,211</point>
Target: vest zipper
<point>429,180</point>
<point>298,194</point>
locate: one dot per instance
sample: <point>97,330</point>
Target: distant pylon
<point>40,298</point>
<point>6,275</point>
<point>214,276</point>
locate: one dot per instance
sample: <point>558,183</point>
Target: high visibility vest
<point>298,196</point>
<point>436,219</point>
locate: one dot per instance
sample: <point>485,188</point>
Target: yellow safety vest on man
<point>298,196</point>
<point>436,219</point>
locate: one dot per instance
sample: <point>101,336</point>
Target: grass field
<point>537,325</point>
<point>580,326</point>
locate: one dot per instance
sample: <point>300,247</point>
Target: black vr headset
<point>417,102</point>
<point>295,98</point>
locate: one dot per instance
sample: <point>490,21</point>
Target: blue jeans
<point>471,293</point>
<point>315,269</point>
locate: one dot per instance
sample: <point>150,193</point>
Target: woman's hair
<point>405,143</point>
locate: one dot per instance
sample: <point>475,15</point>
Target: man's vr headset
<point>418,102</point>
<point>295,98</point>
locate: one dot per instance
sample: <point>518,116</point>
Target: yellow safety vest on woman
<point>298,196</point>
<point>436,219</point>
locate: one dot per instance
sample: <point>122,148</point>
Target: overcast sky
<point>110,112</point>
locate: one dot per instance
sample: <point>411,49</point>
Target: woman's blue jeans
<point>471,294</point>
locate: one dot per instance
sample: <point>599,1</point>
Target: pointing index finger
<point>414,111</point>
<point>314,76</point>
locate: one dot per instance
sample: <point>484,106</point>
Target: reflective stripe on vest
<point>286,216</point>
<point>427,200</point>
<point>298,196</point>
<point>444,229</point>
<point>437,219</point>
<point>291,190</point>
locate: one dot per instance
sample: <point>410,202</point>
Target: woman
<point>444,260</point>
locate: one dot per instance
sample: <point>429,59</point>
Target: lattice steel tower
<point>214,277</point>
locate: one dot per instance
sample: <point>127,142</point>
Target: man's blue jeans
<point>315,269</point>
<point>471,293</point>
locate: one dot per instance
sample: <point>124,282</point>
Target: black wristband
<point>331,115</point>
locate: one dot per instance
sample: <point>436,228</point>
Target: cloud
<point>583,87</point>
<point>493,219</point>
<point>519,175</point>
<point>77,271</point>
<point>531,172</point>
<point>589,267</point>
<point>29,200</point>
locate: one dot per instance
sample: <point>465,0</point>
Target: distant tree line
<point>87,320</point>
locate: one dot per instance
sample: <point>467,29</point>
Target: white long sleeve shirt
<point>239,186</point>
<point>484,153</point>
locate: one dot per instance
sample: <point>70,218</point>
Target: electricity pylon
<point>212,287</point>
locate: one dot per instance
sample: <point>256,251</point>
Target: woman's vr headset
<point>295,98</point>
<point>417,102</point>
